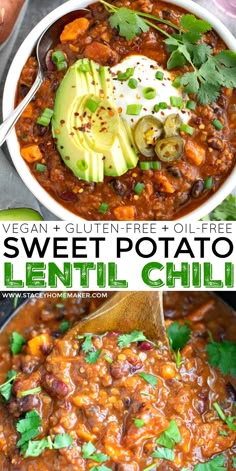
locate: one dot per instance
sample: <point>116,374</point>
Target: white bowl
<point>9,99</point>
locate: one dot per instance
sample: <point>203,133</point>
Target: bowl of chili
<point>167,148</point>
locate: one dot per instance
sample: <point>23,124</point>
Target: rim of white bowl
<point>13,76</point>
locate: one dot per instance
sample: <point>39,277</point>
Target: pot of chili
<point>135,118</point>
<point>117,401</point>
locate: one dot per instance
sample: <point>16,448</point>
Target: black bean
<point>127,402</point>
<point>40,130</point>
<point>118,187</point>
<point>166,14</point>
<point>197,189</point>
<point>24,90</point>
<point>215,143</point>
<point>174,171</point>
<point>231,392</point>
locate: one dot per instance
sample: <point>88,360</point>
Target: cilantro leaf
<point>87,345</point>
<point>190,82</point>
<point>88,452</point>
<point>6,388</point>
<point>151,379</point>
<point>191,23</point>
<point>128,23</point>
<point>16,343</point>
<point>215,464</point>
<point>64,326</point>
<point>234,461</point>
<point>178,335</point>
<point>62,440</point>
<point>226,211</point>
<point>36,447</point>
<point>199,53</point>
<point>92,357</point>
<point>135,336</point>
<point>139,423</point>
<point>28,427</point>
<point>170,436</point>
<point>223,356</point>
<point>228,420</point>
<point>88,449</point>
<point>164,453</point>
<point>176,60</point>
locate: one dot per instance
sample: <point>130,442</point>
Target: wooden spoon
<point>125,312</point>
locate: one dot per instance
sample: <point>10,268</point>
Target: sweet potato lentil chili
<point>117,405</point>
<point>155,189</point>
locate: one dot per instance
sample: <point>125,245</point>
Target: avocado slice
<point>20,214</point>
<point>88,130</point>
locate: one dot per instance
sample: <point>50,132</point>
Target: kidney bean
<point>55,386</point>
<point>197,189</point>
<point>68,196</point>
<point>145,346</point>
<point>120,369</point>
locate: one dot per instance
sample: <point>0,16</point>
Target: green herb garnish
<point>226,211</point>
<point>123,76</point>
<point>31,391</point>
<point>6,388</point>
<point>88,452</point>
<point>88,347</point>
<point>178,358</point>
<point>28,427</point>
<point>135,336</point>
<point>150,379</point>
<point>164,453</point>
<point>178,335</point>
<point>64,326</point>
<point>210,72</point>
<point>215,464</point>
<point>170,436</point>
<point>228,420</point>
<point>223,356</point>
<point>139,423</point>
<point>16,343</point>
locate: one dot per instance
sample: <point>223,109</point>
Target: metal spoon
<point>45,42</point>
<point>124,312</point>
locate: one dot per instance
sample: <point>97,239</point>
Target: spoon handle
<point>9,123</point>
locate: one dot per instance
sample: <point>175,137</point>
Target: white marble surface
<point>13,192</point>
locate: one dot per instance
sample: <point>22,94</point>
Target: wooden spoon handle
<point>125,312</point>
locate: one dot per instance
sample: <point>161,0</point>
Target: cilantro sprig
<point>222,355</point>
<point>210,72</point>
<point>89,452</point>
<point>6,388</point>
<point>170,436</point>
<point>164,453</point>
<point>215,464</point>
<point>29,428</point>
<point>178,335</point>
<point>228,420</point>
<point>134,336</point>
<point>92,354</point>
<point>16,343</point>
<point>226,211</point>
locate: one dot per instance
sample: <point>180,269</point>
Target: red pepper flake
<point>72,134</point>
<point>85,114</point>
<point>73,86</point>
<point>119,110</point>
<point>67,158</point>
<point>103,129</point>
<point>145,109</point>
<point>62,122</point>
<point>76,113</point>
<point>162,113</point>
